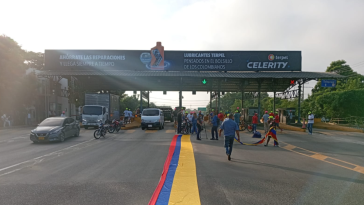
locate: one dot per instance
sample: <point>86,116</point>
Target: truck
<point>168,113</point>
<point>100,106</point>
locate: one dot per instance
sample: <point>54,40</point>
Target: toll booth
<point>290,114</point>
<point>281,114</point>
<point>248,113</point>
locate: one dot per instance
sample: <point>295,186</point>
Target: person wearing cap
<point>311,120</point>
<point>230,128</point>
<point>63,114</point>
<point>237,117</point>
<point>255,122</point>
<point>221,117</point>
<point>272,125</point>
<point>276,120</point>
<point>265,121</point>
<point>271,113</point>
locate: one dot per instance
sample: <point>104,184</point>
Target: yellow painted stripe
<point>150,131</point>
<point>185,188</point>
<point>170,131</point>
<point>321,157</point>
<point>130,131</point>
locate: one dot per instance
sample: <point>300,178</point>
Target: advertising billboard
<point>158,59</point>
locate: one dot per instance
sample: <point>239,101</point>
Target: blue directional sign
<point>328,83</point>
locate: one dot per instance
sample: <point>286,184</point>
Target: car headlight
<point>55,131</point>
<point>83,120</point>
<point>157,121</point>
<point>143,120</point>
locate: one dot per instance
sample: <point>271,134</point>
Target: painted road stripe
<point>185,188</point>
<point>165,193</point>
<point>154,198</point>
<point>324,158</point>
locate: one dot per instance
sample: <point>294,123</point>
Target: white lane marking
<point>15,170</point>
<point>5,168</point>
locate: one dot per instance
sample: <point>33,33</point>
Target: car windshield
<point>151,113</point>
<point>52,122</point>
<point>92,110</point>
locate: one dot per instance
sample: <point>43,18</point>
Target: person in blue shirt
<point>230,128</point>
<point>214,123</point>
<point>194,123</point>
<point>237,117</point>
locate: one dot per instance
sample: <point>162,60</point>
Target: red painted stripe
<point>155,195</point>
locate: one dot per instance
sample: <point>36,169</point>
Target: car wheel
<point>61,137</point>
<point>160,127</point>
<point>34,142</point>
<point>86,127</point>
<point>143,128</point>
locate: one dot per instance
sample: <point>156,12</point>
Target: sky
<point>325,30</point>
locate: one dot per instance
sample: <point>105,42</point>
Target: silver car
<point>55,129</point>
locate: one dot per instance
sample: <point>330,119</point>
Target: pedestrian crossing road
<point>128,167</point>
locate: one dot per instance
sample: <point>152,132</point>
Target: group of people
<point>266,119</point>
<point>193,122</point>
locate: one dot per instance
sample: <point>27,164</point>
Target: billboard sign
<point>160,60</point>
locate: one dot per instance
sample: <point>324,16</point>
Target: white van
<point>152,118</point>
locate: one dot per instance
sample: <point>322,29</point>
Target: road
<point>125,168</point>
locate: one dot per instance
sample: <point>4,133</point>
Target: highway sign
<point>328,83</point>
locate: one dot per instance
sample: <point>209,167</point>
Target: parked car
<point>152,118</point>
<point>55,129</point>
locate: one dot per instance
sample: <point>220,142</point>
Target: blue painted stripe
<point>165,193</point>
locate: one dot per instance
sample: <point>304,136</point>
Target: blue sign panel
<point>328,83</point>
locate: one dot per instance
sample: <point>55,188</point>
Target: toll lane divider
<point>180,183</point>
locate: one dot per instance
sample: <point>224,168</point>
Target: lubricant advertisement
<point>160,60</point>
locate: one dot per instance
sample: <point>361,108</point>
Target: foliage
<point>14,84</point>
<point>330,102</point>
<point>133,103</point>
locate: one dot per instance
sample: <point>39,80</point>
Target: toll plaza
<point>156,69</point>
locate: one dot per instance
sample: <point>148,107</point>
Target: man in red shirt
<point>221,118</point>
<point>271,113</point>
<point>255,122</point>
<point>276,120</point>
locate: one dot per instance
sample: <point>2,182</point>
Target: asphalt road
<point>125,168</point>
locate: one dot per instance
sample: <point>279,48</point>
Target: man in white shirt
<point>126,115</point>
<point>311,120</point>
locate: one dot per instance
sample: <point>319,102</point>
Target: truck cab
<point>91,115</point>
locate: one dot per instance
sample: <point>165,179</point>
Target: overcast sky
<point>323,30</point>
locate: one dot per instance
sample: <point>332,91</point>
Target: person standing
<point>194,123</point>
<point>221,117</point>
<point>311,120</point>
<point>214,123</point>
<point>265,121</point>
<point>237,117</point>
<point>63,114</point>
<point>230,128</point>
<point>29,118</point>
<point>190,116</point>
<point>272,125</point>
<point>199,127</point>
<point>255,122</point>
<point>126,114</point>
<point>179,121</point>
<point>276,120</point>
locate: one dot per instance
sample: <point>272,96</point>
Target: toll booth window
<point>151,112</point>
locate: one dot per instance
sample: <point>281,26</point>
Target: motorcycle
<point>115,126</point>
<point>100,131</point>
<point>185,128</point>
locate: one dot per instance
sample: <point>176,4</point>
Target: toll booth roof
<point>232,81</point>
